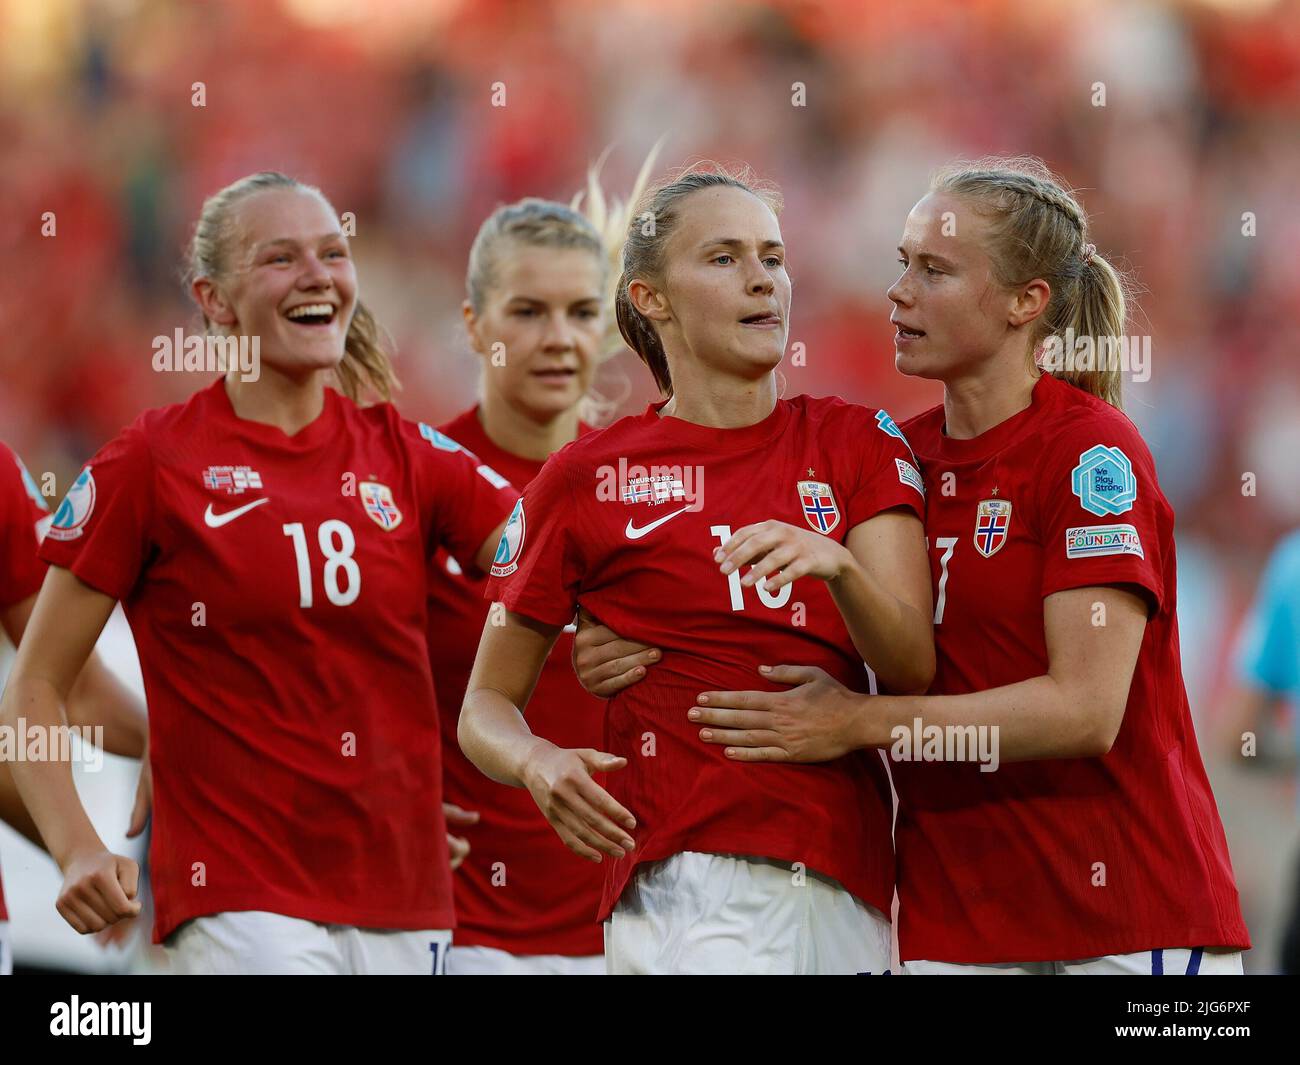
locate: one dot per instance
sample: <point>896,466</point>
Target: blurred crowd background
<point>1189,171</point>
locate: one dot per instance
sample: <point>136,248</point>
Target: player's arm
<point>97,697</point>
<point>99,888</point>
<point>879,579</point>
<point>496,738</point>
<point>488,549</point>
<point>1074,710</point>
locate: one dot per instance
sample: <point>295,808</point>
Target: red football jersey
<point>267,581</point>
<point>521,889</point>
<point>625,522</point>
<point>22,510</point>
<point>1065,858</point>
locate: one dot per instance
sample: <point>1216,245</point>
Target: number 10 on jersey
<point>774,600</point>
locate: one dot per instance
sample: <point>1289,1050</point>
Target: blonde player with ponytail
<point>538,289</point>
<point>262,537</point>
<point>1086,839</point>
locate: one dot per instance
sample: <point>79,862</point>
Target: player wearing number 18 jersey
<point>263,538</point>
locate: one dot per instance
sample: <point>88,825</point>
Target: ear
<point>471,327</point>
<point>1030,302</point>
<point>650,302</point>
<point>213,303</point>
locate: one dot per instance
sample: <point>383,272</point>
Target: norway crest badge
<point>378,500</point>
<point>819,508</point>
<point>992,520</point>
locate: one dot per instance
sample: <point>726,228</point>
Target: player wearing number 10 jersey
<point>716,868</point>
<point>268,540</point>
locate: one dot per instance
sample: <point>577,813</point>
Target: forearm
<point>13,812</point>
<point>46,787</point>
<point>495,737</point>
<point>893,638</point>
<point>1036,718</point>
<point>99,699</point>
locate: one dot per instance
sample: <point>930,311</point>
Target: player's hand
<point>772,546</point>
<point>582,813</point>
<point>813,722</point>
<point>99,889</point>
<point>606,663</point>
<point>458,846</point>
<point>143,797</point>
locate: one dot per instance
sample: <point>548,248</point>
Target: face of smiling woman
<point>288,278</point>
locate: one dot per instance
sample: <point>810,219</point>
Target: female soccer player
<point>1095,845</point>
<point>536,287</point>
<point>261,537</point>
<point>714,867</point>
<point>97,698</point>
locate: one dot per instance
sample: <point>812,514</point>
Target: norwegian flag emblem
<point>819,507</point>
<point>992,521</point>
<point>378,500</point>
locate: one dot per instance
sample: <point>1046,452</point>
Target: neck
<point>290,403</point>
<point>523,433</point>
<point>718,401</point>
<point>998,389</point>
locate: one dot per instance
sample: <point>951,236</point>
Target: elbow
<point>1100,732</point>
<point>914,677</point>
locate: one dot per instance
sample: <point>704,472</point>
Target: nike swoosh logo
<point>633,533</point>
<point>215,521</point>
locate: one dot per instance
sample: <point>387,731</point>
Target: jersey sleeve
<point>888,475</point>
<point>21,511</point>
<point>466,499</point>
<point>1270,642</point>
<point>539,565</point>
<point>1102,518</point>
<point>102,531</point>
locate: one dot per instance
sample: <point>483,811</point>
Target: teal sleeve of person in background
<point>1269,655</point>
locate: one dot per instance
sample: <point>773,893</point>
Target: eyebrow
<point>736,242</point>
<point>929,257</point>
<point>520,298</point>
<point>292,243</point>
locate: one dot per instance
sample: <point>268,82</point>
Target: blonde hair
<point>1039,230</point>
<point>366,362</point>
<point>643,250</point>
<point>592,221</point>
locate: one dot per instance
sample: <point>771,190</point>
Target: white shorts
<point>6,951</point>
<point>488,961</point>
<point>714,913</point>
<point>252,942</point>
<point>1180,961</point>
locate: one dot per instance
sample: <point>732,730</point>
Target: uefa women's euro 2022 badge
<point>75,510</point>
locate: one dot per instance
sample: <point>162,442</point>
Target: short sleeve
<point>1269,653</point>
<point>1102,518</point>
<point>21,511</point>
<point>102,529</point>
<point>538,567</point>
<point>466,498</point>
<point>888,475</point>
